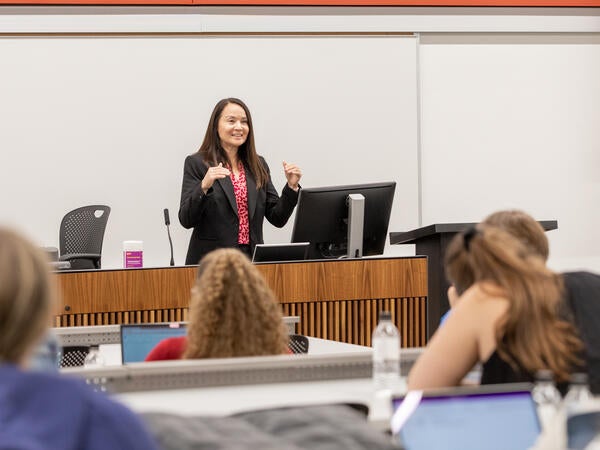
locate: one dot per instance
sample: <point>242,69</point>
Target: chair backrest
<point>82,231</point>
<point>298,343</point>
<point>73,356</point>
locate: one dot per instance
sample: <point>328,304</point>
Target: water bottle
<point>578,393</point>
<point>546,397</point>
<point>579,390</point>
<point>386,354</point>
<point>93,358</point>
<point>576,403</point>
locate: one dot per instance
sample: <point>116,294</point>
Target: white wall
<point>508,104</point>
<point>513,123</point>
<point>109,120</point>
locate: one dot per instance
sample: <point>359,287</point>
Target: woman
<point>510,316</point>
<point>43,410</point>
<point>227,190</point>
<point>232,313</point>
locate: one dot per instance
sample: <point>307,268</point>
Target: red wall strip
<point>517,3</point>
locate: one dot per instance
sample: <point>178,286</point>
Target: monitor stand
<point>356,221</point>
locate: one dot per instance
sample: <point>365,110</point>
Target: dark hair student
<point>227,190</point>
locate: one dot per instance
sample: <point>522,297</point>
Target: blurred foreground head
<point>27,296</point>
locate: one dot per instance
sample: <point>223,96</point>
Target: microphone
<point>167,223</point>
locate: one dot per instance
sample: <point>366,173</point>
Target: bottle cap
<point>385,315</point>
<point>544,375</point>
<point>579,378</point>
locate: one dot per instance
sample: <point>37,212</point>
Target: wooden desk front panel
<point>337,300</point>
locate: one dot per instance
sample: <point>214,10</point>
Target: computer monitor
<point>322,218</point>
<point>137,340</point>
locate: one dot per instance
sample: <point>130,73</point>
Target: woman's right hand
<point>212,174</point>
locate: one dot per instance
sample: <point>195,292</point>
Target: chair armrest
<point>70,256</point>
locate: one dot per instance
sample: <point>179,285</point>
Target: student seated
<point>44,410</point>
<point>511,316</point>
<point>581,289</point>
<point>233,312</point>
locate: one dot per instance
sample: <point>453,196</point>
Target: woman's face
<point>233,126</point>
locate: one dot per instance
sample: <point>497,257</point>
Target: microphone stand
<point>172,263</point>
<point>167,223</point>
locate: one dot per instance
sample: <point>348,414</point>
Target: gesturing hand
<point>293,175</point>
<point>212,174</point>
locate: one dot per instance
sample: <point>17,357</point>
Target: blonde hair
<point>523,227</point>
<point>232,311</point>
<point>27,296</point>
<point>532,335</point>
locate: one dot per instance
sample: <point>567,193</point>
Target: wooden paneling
<point>126,290</point>
<point>338,300</point>
<point>347,280</point>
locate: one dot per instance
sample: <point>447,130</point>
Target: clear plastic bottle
<point>579,389</point>
<point>386,354</point>
<point>576,402</point>
<point>546,397</point>
<point>93,358</point>
<point>578,393</point>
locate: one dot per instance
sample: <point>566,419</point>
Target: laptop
<point>502,417</point>
<point>296,251</point>
<point>139,339</point>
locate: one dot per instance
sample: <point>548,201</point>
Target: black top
<point>213,215</point>
<point>583,298</point>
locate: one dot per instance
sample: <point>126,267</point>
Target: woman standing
<point>227,190</point>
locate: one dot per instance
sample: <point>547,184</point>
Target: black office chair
<point>298,343</point>
<point>73,356</point>
<point>81,236</point>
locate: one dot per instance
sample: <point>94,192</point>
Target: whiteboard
<point>514,124</point>
<point>109,120</point>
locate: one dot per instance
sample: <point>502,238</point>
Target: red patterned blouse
<point>240,189</point>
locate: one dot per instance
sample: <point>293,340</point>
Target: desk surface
<point>226,400</point>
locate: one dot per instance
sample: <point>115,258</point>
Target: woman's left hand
<point>293,175</point>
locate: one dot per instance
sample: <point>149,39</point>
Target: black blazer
<point>214,215</point>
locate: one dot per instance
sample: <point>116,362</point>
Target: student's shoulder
<point>481,299</point>
<point>113,425</point>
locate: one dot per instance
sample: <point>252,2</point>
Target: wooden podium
<point>432,241</point>
<point>335,299</point>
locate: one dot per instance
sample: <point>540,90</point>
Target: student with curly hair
<point>233,312</point>
<point>47,410</point>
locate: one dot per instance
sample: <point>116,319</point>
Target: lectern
<point>432,241</point>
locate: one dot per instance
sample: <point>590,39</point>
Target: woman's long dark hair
<point>213,153</point>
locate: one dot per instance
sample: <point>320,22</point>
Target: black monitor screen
<point>322,218</point>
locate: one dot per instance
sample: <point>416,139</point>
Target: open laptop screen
<point>138,340</point>
<point>296,251</point>
<point>502,417</point>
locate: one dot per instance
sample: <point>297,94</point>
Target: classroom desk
<point>111,334</point>
<point>335,299</point>
<point>333,373</point>
<point>112,352</point>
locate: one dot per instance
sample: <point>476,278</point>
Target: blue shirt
<point>53,412</point>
